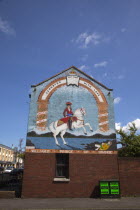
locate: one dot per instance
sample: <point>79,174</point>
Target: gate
<point>12,182</point>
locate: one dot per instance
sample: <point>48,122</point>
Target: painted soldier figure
<point>68,113</point>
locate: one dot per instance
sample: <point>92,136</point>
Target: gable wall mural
<point>71,112</point>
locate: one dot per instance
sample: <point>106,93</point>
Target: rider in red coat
<point>68,113</point>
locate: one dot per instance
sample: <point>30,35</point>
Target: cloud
<point>121,77</point>
<point>105,74</point>
<point>118,126</point>
<point>123,30</point>
<point>85,39</point>
<point>101,64</point>
<point>6,28</point>
<point>137,124</point>
<point>126,127</point>
<point>117,100</point>
<point>84,57</point>
<point>83,67</point>
<point>117,77</point>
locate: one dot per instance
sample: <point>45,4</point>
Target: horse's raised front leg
<point>87,124</point>
<point>62,134</point>
<point>81,126</point>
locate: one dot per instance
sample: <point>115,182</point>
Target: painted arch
<point>46,93</point>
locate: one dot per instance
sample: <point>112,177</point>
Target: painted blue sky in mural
<point>41,38</point>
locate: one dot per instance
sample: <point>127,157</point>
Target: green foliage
<point>130,142</point>
<point>22,155</point>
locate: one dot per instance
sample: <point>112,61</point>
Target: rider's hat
<point>68,103</point>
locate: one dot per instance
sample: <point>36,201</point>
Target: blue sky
<point>41,38</point>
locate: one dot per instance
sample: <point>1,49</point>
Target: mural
<point>71,111</point>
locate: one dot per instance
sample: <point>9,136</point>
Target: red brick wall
<point>85,172</point>
<point>129,172</point>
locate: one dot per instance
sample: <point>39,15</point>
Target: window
<point>62,165</point>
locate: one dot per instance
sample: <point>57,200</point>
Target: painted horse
<point>61,126</point>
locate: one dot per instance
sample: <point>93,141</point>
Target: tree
<point>130,142</point>
<point>21,153</point>
<point>20,145</point>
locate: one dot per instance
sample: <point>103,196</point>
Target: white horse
<point>79,123</point>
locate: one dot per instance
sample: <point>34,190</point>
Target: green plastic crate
<point>115,191</point>
<point>105,191</point>
<point>109,188</point>
<point>103,184</point>
<point>115,184</point>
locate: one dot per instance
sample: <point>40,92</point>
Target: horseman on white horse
<point>68,113</point>
<point>71,120</point>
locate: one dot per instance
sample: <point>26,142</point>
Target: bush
<point>130,142</point>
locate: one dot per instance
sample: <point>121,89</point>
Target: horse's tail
<point>51,127</point>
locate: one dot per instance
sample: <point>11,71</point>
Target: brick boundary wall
<point>129,174</point>
<point>85,172</point>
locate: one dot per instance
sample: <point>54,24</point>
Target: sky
<point>39,38</point>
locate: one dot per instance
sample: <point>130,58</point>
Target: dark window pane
<point>62,158</point>
<point>61,171</point>
<point>62,165</point>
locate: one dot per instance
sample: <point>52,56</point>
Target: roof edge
<point>6,147</point>
<point>77,70</point>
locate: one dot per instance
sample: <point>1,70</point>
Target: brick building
<point>71,140</point>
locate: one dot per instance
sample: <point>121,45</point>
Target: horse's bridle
<point>81,110</point>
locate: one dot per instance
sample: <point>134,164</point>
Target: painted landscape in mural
<point>71,111</point>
